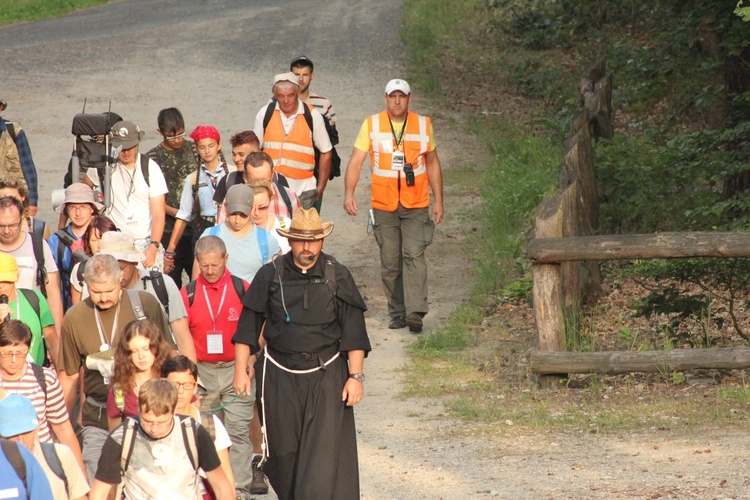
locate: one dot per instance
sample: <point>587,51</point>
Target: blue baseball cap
<point>17,416</point>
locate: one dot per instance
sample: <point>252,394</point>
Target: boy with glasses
<point>177,157</point>
<point>162,452</point>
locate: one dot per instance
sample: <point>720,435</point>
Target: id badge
<point>130,218</point>
<point>397,161</point>
<point>214,343</point>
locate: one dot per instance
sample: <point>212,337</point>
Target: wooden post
<point>570,272</point>
<point>548,310</point>
<point>579,163</point>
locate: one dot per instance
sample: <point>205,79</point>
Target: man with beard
<point>312,318</point>
<point>94,326</point>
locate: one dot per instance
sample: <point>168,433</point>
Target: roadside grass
<point>16,11</point>
<point>516,103</point>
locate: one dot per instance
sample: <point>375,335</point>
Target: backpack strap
<point>65,240</point>
<point>189,431</point>
<point>207,421</point>
<point>11,131</point>
<point>33,299</point>
<point>262,238</point>
<point>308,117</point>
<point>239,286</point>
<point>38,226</point>
<point>37,242</point>
<point>144,168</point>
<point>135,302</point>
<point>190,289</point>
<point>232,179</point>
<point>13,455</point>
<point>160,288</point>
<point>119,398</point>
<point>128,440</point>
<point>41,378</point>
<point>79,274</point>
<point>269,114</point>
<point>284,196</point>
<point>54,463</point>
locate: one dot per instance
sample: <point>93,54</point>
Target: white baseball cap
<point>397,84</point>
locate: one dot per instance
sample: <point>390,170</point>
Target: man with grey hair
<point>93,327</point>
<point>213,303</point>
<point>289,131</point>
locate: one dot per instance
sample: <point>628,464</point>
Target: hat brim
<point>134,257</point>
<point>241,208</point>
<point>98,207</point>
<point>9,277</point>
<point>129,142</point>
<point>296,234</point>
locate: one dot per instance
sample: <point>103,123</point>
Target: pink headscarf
<point>205,132</point>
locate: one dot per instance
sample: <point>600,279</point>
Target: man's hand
<point>353,392</point>
<point>150,256</point>
<point>4,311</point>
<point>350,205</point>
<point>242,383</point>
<point>437,213</point>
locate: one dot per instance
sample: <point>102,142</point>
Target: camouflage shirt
<point>175,165</point>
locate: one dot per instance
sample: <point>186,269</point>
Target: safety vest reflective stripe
<point>389,186</point>
<point>293,154</point>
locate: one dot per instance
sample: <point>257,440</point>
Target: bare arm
<point>113,422</point>
<point>177,232</point>
<point>67,436</point>
<point>220,484</point>
<point>185,344</point>
<point>75,295</point>
<point>54,300</point>
<point>226,465</point>
<point>351,178</point>
<point>243,369</point>
<point>69,385</point>
<point>158,218</point>
<point>324,170</point>
<point>353,389</point>
<point>100,490</point>
<point>435,178</point>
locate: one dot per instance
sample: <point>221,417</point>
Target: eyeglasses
<point>188,386</point>
<point>78,208</point>
<point>12,227</point>
<point>262,208</point>
<point>13,354</point>
<point>177,137</point>
<point>157,425</point>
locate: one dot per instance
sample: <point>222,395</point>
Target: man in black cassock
<point>311,316</point>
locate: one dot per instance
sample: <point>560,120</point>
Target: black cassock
<point>312,444</point>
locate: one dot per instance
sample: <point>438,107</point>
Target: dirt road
<point>214,60</point>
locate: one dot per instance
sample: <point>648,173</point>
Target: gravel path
<point>214,60</point>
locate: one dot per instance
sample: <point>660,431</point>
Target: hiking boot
<point>397,323</point>
<point>414,321</point>
<point>258,485</point>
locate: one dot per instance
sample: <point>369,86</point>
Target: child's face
<point>208,149</point>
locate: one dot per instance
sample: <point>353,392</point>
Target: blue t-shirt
<point>11,486</point>
<point>245,254</point>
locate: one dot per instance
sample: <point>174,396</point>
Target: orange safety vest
<point>293,155</point>
<point>389,186</point>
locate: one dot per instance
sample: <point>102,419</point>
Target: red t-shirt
<point>213,339</point>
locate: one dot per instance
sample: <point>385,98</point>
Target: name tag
<point>10,493</point>
<point>397,161</point>
<point>214,343</point>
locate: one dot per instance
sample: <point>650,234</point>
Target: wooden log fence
<point>565,255</point>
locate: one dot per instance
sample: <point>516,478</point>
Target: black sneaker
<point>258,485</point>
<point>397,323</point>
<point>414,321</point>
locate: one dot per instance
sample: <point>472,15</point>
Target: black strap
<point>33,299</point>
<point>67,240</point>
<point>13,455</point>
<point>285,196</point>
<point>40,377</point>
<point>144,168</point>
<point>37,242</point>
<point>54,463</point>
<point>239,289</point>
<point>11,131</point>
<point>160,288</point>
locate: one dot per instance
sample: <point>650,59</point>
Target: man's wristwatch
<point>358,376</point>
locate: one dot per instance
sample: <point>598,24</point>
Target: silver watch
<point>358,376</point>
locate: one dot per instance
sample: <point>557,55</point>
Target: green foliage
<point>13,11</point>
<point>743,12</point>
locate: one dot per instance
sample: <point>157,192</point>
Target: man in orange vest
<point>289,131</point>
<point>405,168</point>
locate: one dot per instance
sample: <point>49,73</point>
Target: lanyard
<point>210,307</point>
<point>100,327</point>
<point>400,137</point>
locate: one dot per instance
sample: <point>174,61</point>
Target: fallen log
<point>615,362</point>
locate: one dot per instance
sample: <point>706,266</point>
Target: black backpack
<point>333,135</point>
<point>239,288</point>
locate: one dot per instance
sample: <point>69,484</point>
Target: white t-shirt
<point>131,196</point>
<point>27,264</point>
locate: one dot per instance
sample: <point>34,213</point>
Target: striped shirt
<point>49,410</point>
<point>323,105</point>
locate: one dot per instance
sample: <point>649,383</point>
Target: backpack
<point>189,429</point>
<point>54,463</point>
<point>333,135</point>
<point>65,241</point>
<point>136,304</point>
<point>329,279</point>
<point>13,455</point>
<point>10,160</point>
<point>239,288</point>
